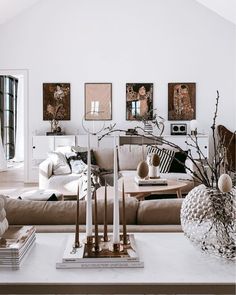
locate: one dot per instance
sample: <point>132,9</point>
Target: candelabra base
<point>106,254</point>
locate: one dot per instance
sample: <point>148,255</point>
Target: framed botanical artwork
<point>56,101</point>
<point>98,101</point>
<point>181,101</point>
<point>139,101</point>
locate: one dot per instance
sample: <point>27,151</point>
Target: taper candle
<point>116,217</point>
<point>89,229</point>
<point>105,237</point>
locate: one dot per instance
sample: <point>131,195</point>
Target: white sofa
<point>128,158</point>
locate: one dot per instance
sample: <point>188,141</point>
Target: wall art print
<point>139,101</point>
<point>181,101</point>
<point>98,101</point>
<point>56,101</point>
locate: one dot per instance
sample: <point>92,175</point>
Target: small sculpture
<point>225,183</point>
<point>142,169</point>
<point>153,163</point>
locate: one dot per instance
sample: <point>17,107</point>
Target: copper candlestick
<point>77,242</point>
<point>96,240</point>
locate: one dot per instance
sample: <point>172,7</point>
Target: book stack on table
<point>84,258</point>
<point>15,243</point>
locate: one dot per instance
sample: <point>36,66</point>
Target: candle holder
<point>102,250</point>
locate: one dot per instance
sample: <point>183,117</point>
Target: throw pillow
<point>76,164</point>
<point>177,165</point>
<point>59,163</point>
<point>166,157</point>
<point>83,156</point>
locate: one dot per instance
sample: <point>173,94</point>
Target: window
<point>8,112</point>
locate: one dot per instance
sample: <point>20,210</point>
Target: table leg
<point>179,193</point>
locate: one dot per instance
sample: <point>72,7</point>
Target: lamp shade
<point>193,125</point>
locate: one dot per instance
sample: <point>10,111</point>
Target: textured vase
<point>208,219</point>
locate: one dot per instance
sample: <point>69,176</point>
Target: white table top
<point>171,264</point>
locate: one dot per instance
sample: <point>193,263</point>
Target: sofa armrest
<point>45,172</point>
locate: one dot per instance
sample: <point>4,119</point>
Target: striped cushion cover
<point>166,157</point>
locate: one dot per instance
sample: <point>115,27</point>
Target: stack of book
<point>151,181</point>
<point>84,257</point>
<point>15,243</point>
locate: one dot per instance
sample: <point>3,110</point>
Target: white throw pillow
<point>59,163</point>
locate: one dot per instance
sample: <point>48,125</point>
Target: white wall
<point>121,41</point>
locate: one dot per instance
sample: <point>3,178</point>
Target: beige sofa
<point>59,216</point>
<point>128,158</point>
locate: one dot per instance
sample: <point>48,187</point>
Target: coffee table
<point>140,192</point>
<point>171,266</point>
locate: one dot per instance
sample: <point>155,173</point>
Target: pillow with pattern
<point>166,157</point>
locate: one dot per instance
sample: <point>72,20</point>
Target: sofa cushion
<point>165,211</point>
<point>62,212</point>
<point>104,158</point>
<point>130,156</point>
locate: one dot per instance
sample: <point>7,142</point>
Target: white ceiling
<point>225,8</point>
<point>10,8</point>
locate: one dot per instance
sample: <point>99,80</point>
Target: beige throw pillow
<point>130,155</point>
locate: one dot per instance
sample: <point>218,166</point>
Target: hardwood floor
<point>12,181</point>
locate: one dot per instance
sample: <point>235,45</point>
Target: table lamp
<point>193,127</point>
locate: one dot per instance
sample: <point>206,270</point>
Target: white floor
<point>12,181</point>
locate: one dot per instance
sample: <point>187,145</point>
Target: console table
<point>171,265</point>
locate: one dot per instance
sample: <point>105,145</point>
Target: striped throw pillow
<point>166,157</point>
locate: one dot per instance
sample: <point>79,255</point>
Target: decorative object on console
<point>193,127</point>
<point>98,101</point>
<point>178,129</point>
<point>139,101</point>
<point>181,101</point>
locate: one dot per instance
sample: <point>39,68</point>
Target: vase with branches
<point>208,212</point>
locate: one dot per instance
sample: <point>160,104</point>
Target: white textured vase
<point>208,219</point>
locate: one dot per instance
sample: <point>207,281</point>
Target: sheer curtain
<point>3,161</point>
<point>19,144</point>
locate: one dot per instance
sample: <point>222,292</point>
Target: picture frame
<point>98,101</point>
<point>139,101</point>
<point>56,101</point>
<point>181,101</point>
